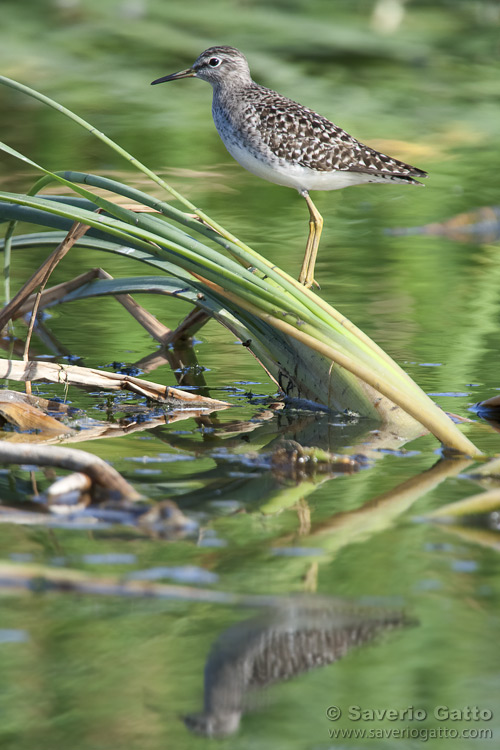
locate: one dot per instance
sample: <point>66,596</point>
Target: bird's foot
<point>308,283</point>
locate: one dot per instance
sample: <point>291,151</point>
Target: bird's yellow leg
<point>306,276</point>
<point>307,255</point>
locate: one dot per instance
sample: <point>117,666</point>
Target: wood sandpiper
<point>286,143</point>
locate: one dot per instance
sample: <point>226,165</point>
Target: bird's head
<point>214,65</point>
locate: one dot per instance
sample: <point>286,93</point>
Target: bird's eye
<point>214,62</point>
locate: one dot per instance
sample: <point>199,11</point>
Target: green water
<point>95,671</point>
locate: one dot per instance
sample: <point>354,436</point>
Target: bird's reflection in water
<point>292,638</point>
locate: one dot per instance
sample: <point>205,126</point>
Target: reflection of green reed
<point>286,325</point>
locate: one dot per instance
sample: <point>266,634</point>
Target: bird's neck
<point>231,89</point>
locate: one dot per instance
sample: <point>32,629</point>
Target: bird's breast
<point>240,135</point>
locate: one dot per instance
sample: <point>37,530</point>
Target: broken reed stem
<point>99,471</point>
<point>38,277</point>
<point>34,313</point>
<point>7,256</point>
<point>73,375</point>
<point>194,320</point>
<point>75,233</point>
<point>186,329</point>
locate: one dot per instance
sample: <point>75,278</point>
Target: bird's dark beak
<point>188,73</point>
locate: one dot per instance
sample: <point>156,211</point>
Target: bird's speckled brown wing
<point>298,134</point>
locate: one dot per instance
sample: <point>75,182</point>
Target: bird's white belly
<point>294,175</point>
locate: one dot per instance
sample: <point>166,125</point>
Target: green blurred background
<point>416,79</point>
